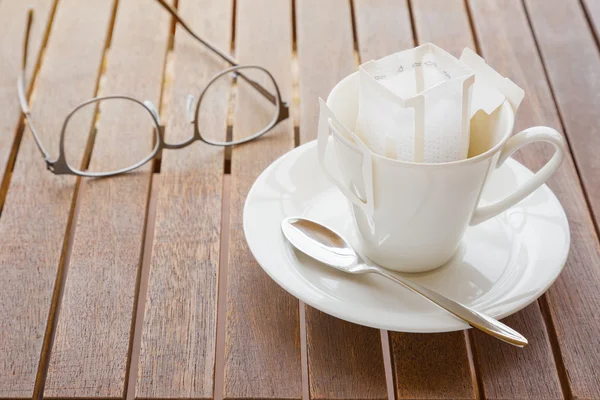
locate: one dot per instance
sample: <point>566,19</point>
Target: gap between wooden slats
<point>222,296</point>
<point>426,366</point>
<point>177,356</point>
<point>531,371</point>
<point>262,348</point>
<point>344,360</point>
<point>90,354</point>
<point>38,206</point>
<point>295,112</point>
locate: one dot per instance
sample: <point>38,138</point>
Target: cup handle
<point>521,139</point>
<point>328,120</point>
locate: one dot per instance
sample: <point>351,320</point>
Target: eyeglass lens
<point>251,108</point>
<point>123,135</point>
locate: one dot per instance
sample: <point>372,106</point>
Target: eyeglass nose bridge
<point>189,111</point>
<point>177,146</point>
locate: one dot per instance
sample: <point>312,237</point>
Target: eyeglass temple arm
<point>21,89</point>
<point>232,61</point>
<point>268,95</point>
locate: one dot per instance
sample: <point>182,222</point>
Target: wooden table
<point>143,286</point>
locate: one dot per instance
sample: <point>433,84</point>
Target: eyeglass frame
<point>60,166</point>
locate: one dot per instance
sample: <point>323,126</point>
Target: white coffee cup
<point>412,216</point>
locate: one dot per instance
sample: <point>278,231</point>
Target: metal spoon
<point>328,247</point>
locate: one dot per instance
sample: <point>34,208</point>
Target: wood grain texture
<point>344,359</point>
<point>425,366</point>
<point>569,50</point>
<point>13,17</point>
<point>262,344</point>
<point>504,372</point>
<point>444,23</point>
<point>510,372</point>
<point>383,27</point>
<point>322,63</point>
<point>507,43</point>
<point>36,212</point>
<point>91,347</point>
<point>177,358</point>
<point>431,366</point>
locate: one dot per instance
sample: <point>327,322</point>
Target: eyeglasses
<point>260,92</point>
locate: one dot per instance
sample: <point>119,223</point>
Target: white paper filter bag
<point>415,105</point>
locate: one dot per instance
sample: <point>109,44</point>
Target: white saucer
<point>502,265</point>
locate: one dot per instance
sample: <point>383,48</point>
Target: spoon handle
<point>474,318</point>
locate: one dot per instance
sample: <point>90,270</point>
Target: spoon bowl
<point>322,244</point>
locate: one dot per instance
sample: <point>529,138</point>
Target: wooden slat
<point>574,298</point>
<point>383,27</point>
<point>262,346</point>
<point>37,207</point>
<point>90,353</point>
<point>344,360</point>
<point>532,373</point>
<point>425,366</point>
<point>178,338</point>
<point>431,366</point>
<point>13,16</point>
